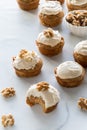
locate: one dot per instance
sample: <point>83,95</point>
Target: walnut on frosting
<point>26,55</point>
<point>22,53</point>
<point>82,103</point>
<point>42,86</point>
<point>48,33</point>
<point>8,92</point>
<point>7,120</point>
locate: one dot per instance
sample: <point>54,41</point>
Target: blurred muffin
<point>27,64</point>
<point>69,74</point>
<point>51,13</point>
<point>28,4</point>
<point>80,53</point>
<point>50,42</point>
<point>44,94</point>
<point>76,4</point>
<point>61,1</point>
<point>77,22</point>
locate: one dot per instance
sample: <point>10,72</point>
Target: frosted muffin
<point>27,64</point>
<point>50,42</point>
<point>51,13</point>
<point>69,74</point>
<point>28,4</point>
<point>61,1</point>
<point>44,94</point>
<point>76,4</point>
<point>80,53</point>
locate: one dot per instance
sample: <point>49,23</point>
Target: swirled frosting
<point>78,2</point>
<point>69,70</point>
<point>50,96</point>
<point>25,60</point>
<point>49,37</point>
<point>81,48</point>
<point>51,8</point>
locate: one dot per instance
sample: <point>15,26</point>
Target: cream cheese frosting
<point>81,48</point>
<point>25,60</point>
<point>78,2</point>
<point>69,70</point>
<point>51,8</point>
<point>50,96</point>
<point>51,40</point>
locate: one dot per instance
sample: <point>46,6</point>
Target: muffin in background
<point>69,74</point>
<point>51,13</point>
<point>27,64</point>
<point>76,4</point>
<point>50,42</point>
<point>28,4</point>
<point>80,53</point>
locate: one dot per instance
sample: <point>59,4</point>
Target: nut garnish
<point>48,33</point>
<point>42,86</point>
<point>77,18</point>
<point>22,53</point>
<point>7,120</point>
<point>82,103</point>
<point>8,92</point>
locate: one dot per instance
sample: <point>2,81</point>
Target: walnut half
<point>82,103</point>
<point>8,92</point>
<point>42,86</point>
<point>48,33</point>
<point>7,120</point>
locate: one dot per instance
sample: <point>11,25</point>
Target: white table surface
<point>19,30</point>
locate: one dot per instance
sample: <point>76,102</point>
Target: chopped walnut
<point>7,120</point>
<point>42,86</point>
<point>77,18</point>
<point>48,33</point>
<point>82,103</point>
<point>22,53</point>
<point>8,92</point>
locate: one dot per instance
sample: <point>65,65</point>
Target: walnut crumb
<point>8,92</point>
<point>48,33</point>
<point>82,103</point>
<point>42,86</point>
<point>22,53</point>
<point>7,120</point>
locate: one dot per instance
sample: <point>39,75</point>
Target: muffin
<point>80,53</point>
<point>43,94</point>
<point>61,1</point>
<point>51,13</point>
<point>76,22</point>
<point>76,4</point>
<point>27,64</point>
<point>50,42</point>
<point>69,74</point>
<point>28,4</point>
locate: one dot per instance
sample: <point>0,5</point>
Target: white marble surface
<point>18,30</point>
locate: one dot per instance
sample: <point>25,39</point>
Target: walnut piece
<point>7,120</point>
<point>22,53</point>
<point>77,18</point>
<point>8,92</point>
<point>48,33</point>
<point>42,86</point>
<point>82,103</point>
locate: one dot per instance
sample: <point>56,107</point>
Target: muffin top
<point>47,92</point>
<point>51,7</point>
<point>49,37</point>
<point>69,70</point>
<point>78,2</point>
<point>25,60</point>
<point>81,48</point>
